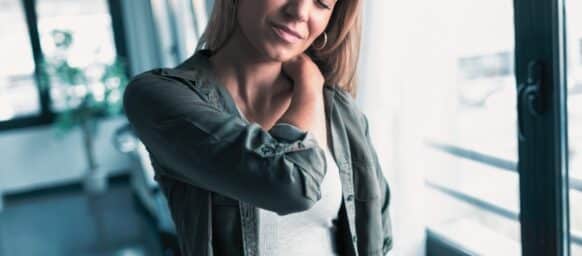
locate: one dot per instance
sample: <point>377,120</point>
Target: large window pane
<point>473,183</point>
<point>574,55</point>
<point>88,22</point>
<point>19,95</point>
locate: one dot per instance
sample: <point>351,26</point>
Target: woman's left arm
<point>384,193</point>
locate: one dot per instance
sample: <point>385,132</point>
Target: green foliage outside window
<point>84,104</point>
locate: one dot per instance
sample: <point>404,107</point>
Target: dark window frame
<point>543,140</point>
<point>46,115</point>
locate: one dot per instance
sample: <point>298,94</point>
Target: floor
<point>65,221</point>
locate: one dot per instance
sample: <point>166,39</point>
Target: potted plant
<point>90,92</point>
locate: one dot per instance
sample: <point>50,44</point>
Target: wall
<point>34,157</point>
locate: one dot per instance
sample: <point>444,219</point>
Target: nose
<point>298,9</point>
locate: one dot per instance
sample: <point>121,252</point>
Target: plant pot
<point>95,181</point>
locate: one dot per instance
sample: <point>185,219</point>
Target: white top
<point>306,233</point>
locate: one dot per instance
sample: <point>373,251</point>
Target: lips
<point>286,34</point>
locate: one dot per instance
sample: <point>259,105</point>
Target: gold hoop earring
<point>324,42</point>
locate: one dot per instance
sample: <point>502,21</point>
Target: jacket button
<point>350,197</point>
<point>355,239</point>
<point>266,150</point>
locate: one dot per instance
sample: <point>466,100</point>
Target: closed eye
<point>324,4</point>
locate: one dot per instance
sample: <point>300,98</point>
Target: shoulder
<point>163,75</point>
<point>150,77</point>
<point>146,85</point>
<point>158,87</point>
<point>193,72</point>
<point>177,81</point>
<point>141,83</point>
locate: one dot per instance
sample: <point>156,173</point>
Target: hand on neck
<point>242,69</point>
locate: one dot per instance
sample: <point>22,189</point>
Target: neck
<point>255,79</point>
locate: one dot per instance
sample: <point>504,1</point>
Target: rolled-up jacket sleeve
<point>279,170</point>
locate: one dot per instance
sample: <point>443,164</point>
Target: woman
<point>255,139</point>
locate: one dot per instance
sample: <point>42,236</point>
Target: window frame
<point>543,144</point>
<point>543,141</point>
<point>46,115</point>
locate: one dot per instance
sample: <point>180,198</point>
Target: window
<point>19,96</point>
<point>519,207</point>
<point>27,34</point>
<point>471,140</point>
<point>88,23</point>
<point>574,60</point>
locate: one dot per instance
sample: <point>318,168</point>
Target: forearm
<point>198,144</point>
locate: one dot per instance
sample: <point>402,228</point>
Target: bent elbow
<point>295,206</point>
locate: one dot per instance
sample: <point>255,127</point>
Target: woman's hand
<point>306,110</point>
<point>304,73</point>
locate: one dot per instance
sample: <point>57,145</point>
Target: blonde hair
<point>337,60</point>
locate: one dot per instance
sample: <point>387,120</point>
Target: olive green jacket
<point>215,168</point>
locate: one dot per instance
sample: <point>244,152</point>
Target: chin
<point>280,53</point>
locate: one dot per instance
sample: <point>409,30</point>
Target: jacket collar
<point>198,71</point>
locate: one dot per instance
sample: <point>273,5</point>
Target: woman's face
<point>282,29</point>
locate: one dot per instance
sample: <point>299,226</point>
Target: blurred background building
<point>436,79</point>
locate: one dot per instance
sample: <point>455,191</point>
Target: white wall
<point>34,157</point>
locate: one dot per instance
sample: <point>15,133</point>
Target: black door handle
<point>531,96</point>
